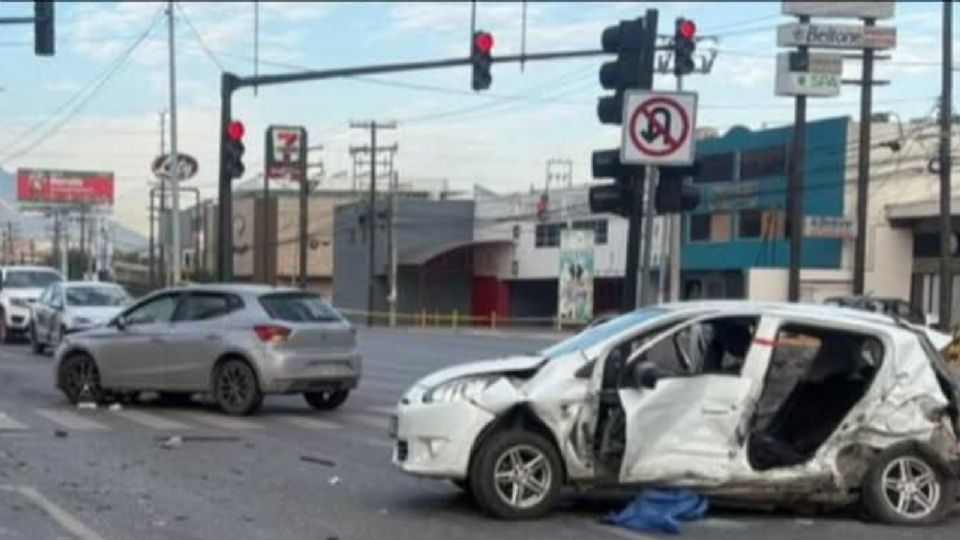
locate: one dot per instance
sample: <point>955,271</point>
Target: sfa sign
<point>49,187</point>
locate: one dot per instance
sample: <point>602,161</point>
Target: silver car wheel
<point>911,487</point>
<point>522,476</point>
<point>235,385</point>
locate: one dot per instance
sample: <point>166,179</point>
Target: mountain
<point>36,227</point>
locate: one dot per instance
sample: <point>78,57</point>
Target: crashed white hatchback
<point>776,403</point>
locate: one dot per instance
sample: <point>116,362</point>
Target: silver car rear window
<point>299,307</point>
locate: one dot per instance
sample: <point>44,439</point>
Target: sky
<point>96,104</point>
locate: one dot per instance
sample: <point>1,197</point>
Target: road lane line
<point>305,421</point>
<point>399,389</point>
<point>152,421</point>
<point>221,421</point>
<point>71,420</point>
<point>9,424</point>
<point>63,518</point>
<point>384,411</point>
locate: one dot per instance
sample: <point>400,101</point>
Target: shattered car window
<point>597,334</point>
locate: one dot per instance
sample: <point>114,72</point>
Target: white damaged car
<point>772,403</point>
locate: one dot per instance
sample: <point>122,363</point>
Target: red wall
<point>490,295</point>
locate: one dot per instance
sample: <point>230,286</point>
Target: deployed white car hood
<point>503,365</point>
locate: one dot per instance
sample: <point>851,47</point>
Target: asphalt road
<point>102,474</point>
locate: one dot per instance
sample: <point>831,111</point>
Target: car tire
<point>35,344</point>
<point>507,464</point>
<point>235,388</point>
<point>5,336</point>
<point>78,377</point>
<point>463,484</point>
<point>327,400</point>
<point>908,484</point>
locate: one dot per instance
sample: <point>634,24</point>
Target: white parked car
<point>20,286</point>
<point>738,400</point>
<point>72,306</point>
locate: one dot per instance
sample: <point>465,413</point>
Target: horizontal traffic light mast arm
<point>313,75</point>
<point>17,20</point>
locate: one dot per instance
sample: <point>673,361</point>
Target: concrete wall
<point>319,229</point>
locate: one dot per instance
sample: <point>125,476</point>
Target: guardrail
<point>455,319</point>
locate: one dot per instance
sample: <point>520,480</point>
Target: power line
<point>199,38</point>
<point>78,100</point>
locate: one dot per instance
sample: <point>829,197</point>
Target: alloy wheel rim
<point>911,487</point>
<point>234,386</point>
<point>522,476</point>
<point>82,377</point>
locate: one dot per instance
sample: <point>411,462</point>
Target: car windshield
<point>30,279</point>
<point>299,307</point>
<point>596,334</point>
<point>96,296</point>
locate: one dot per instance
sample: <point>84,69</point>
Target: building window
<point>598,226</point>
<point>715,168</point>
<point>763,162</point>
<point>774,224</point>
<point>548,234</point>
<point>713,227</point>
<point>750,223</point>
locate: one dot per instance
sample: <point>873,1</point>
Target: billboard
<point>53,187</point>
<point>575,303</point>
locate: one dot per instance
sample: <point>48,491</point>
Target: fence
<point>455,319</point>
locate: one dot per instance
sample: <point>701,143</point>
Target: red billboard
<point>43,186</point>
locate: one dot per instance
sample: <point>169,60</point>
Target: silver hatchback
<point>236,342</point>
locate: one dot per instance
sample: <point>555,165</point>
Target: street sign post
<point>859,10</point>
<point>808,74</point>
<point>286,152</point>
<point>836,36</point>
<point>658,128</point>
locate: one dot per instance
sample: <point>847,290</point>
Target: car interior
<point>814,379</point>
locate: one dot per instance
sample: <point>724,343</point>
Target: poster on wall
<point>575,284</point>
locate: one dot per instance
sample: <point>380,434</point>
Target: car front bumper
<point>436,439</point>
<point>16,317</point>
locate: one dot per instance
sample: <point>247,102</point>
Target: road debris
<point>318,460</point>
<point>173,442</point>
<point>660,510</point>
<point>201,438</point>
<point>60,433</point>
<point>87,405</point>
<point>334,480</point>
<point>115,407</point>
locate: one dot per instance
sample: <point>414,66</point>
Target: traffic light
<point>633,67</point>
<point>684,46</point>
<point>673,196</point>
<point>43,27</point>
<point>233,150</point>
<point>615,198</point>
<point>482,60</point>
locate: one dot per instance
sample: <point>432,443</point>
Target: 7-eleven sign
<point>286,155</point>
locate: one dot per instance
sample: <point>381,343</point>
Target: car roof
<point>824,313</point>
<point>71,284</point>
<point>28,268</point>
<point>238,288</point>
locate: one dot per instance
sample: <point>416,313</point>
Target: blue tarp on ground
<point>657,510</point>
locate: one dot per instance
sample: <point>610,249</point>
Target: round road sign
<point>659,127</point>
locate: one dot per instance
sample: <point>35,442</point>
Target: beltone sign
<point>836,36</point>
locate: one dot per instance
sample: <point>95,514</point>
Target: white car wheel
<point>516,474</point>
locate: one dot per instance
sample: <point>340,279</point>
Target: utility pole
<point>795,188</point>
<point>174,161</point>
<point>560,170</point>
<point>643,278</point>
<point>863,167</point>
<point>373,126</point>
<point>304,216</point>
<point>162,225</point>
<point>56,240</point>
<point>392,245</point>
<point>946,117</point>
<point>83,240</point>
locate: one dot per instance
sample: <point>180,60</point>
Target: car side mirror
<point>646,374</point>
<point>585,371</point>
<point>119,323</point>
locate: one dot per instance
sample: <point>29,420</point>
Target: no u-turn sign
<point>658,128</point>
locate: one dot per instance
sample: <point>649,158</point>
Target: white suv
<point>20,286</point>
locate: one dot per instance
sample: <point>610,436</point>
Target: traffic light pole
<point>633,244</point>
<point>795,191</point>
<point>643,297</point>
<point>229,83</point>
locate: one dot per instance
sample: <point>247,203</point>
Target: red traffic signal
<point>483,41</point>
<point>235,130</point>
<point>687,29</point>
